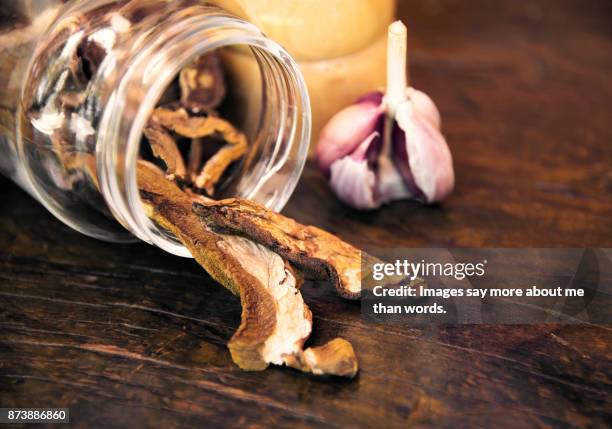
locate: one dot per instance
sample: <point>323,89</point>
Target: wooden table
<point>128,336</point>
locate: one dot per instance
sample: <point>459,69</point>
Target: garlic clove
<point>425,106</point>
<point>390,184</point>
<point>353,180</point>
<point>422,156</point>
<point>346,131</point>
<point>400,159</point>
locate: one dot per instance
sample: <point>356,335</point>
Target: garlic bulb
<point>388,146</point>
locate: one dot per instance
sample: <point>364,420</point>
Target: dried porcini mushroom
<point>275,320</point>
<point>194,159</point>
<point>164,147</point>
<point>197,128</point>
<point>218,164</point>
<point>202,83</point>
<point>185,125</point>
<point>318,253</point>
<point>336,357</point>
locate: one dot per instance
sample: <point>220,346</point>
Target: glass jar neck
<point>143,59</point>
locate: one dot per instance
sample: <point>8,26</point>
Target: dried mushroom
<point>320,254</point>
<point>199,128</point>
<point>218,164</point>
<point>186,125</point>
<point>164,147</point>
<point>194,159</point>
<point>336,357</point>
<point>275,320</point>
<point>195,127</point>
<point>202,83</point>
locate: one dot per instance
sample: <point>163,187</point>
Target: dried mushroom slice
<point>320,254</point>
<point>299,276</point>
<point>217,164</point>
<point>196,197</point>
<point>169,114</point>
<point>275,319</point>
<point>336,357</point>
<point>194,159</point>
<point>202,83</point>
<point>273,286</point>
<point>194,127</point>
<point>164,147</point>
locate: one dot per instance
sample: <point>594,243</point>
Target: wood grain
<point>126,335</point>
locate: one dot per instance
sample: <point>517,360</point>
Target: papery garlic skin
<point>390,184</point>
<point>346,131</point>
<point>352,178</point>
<point>422,155</point>
<point>425,106</point>
<point>354,182</point>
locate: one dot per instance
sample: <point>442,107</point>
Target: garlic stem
<point>396,66</point>
<point>396,80</point>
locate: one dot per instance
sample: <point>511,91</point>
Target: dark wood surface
<point>127,336</point>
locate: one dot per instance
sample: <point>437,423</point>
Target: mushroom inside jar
<point>192,133</point>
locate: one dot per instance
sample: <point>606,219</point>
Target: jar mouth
<point>283,128</point>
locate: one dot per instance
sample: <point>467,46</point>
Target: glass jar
<point>81,162</point>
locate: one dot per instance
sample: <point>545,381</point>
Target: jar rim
<point>171,50</point>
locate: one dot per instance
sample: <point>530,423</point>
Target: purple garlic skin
<point>421,153</point>
<point>352,177</point>
<point>346,131</point>
<point>417,164</point>
<point>424,106</point>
